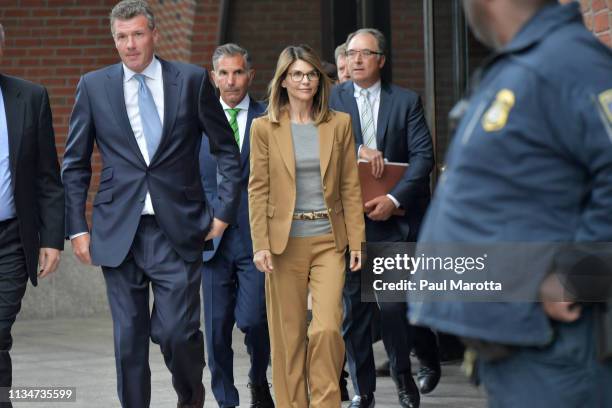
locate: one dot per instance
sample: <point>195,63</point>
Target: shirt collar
<point>243,105</point>
<point>152,71</point>
<point>374,89</point>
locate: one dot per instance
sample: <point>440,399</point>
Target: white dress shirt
<point>375,104</point>
<point>7,200</point>
<point>241,118</point>
<point>154,80</point>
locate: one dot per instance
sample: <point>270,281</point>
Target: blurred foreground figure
<point>531,162</point>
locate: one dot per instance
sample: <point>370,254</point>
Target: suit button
<point>324,187</point>
<point>329,210</point>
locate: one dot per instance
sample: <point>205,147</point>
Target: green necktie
<point>234,123</point>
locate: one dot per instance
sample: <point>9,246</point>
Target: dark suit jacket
<point>38,191</point>
<point>173,175</point>
<point>208,167</point>
<point>402,135</point>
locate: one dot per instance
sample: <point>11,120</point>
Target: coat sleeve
<point>259,186</point>
<point>421,157</point>
<point>350,190</point>
<point>208,175</point>
<point>594,150</point>
<point>50,189</point>
<point>76,167</point>
<point>224,148</point>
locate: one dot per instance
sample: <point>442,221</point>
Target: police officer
<point>531,161</point>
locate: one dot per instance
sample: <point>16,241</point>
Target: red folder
<point>372,187</point>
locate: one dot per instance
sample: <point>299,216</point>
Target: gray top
<point>309,192</point>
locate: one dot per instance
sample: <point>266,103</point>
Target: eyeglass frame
<point>308,75</point>
<point>365,53</point>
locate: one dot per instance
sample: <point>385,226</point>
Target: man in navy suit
<point>233,289</point>
<point>389,124</point>
<point>150,216</point>
<point>31,203</point>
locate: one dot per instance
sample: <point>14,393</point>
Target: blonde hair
<point>278,99</point>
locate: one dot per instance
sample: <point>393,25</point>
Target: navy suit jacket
<point>172,177</point>
<point>402,135</point>
<point>210,180</point>
<point>37,190</point>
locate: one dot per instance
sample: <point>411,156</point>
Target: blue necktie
<point>151,124</point>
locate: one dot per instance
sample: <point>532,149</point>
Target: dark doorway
<point>456,55</point>
<point>342,17</point>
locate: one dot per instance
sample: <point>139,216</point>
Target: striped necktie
<point>234,123</point>
<point>367,120</point>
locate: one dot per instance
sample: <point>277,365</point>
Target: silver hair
<point>340,50</point>
<point>229,50</point>
<point>380,38</point>
<point>128,9</point>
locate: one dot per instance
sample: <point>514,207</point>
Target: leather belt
<point>310,215</point>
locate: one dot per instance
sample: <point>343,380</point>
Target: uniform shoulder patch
<point>496,117</point>
<point>605,99</point>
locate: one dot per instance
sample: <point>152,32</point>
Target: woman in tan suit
<point>305,209</point>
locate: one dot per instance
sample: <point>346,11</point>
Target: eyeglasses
<point>352,54</point>
<point>297,76</point>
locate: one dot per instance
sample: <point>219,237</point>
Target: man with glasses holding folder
<point>389,124</point>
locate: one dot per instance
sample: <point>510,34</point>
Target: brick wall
<point>598,18</point>
<point>266,27</point>
<point>53,43</point>
<point>175,20</point>
<point>205,28</point>
<point>407,44</point>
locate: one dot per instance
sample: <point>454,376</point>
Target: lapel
<point>347,92</point>
<point>172,94</point>
<point>254,111</point>
<point>282,135</point>
<point>384,107</point>
<point>15,116</point>
<point>114,90</point>
<point>327,135</point>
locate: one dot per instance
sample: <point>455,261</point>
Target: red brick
<point>601,21</point>
<point>20,12</point>
<point>56,22</point>
<point>48,12</point>
<point>27,42</point>
<point>598,5</point>
<point>32,3</point>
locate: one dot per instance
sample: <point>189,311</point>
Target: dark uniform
<point>532,161</point>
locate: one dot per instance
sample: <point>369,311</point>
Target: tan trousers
<point>301,360</point>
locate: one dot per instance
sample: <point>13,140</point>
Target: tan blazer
<point>272,183</point>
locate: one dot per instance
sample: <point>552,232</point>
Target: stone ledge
<point>74,290</point>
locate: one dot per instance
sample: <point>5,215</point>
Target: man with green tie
<point>233,289</point>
